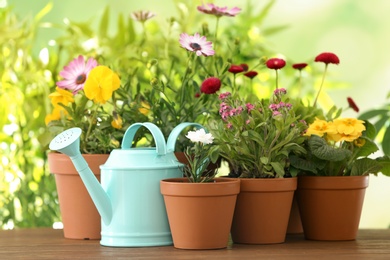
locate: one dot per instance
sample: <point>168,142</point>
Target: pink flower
<point>75,74</point>
<point>280,91</point>
<point>197,44</point>
<point>275,63</point>
<point>210,85</point>
<point>250,107</point>
<point>219,11</point>
<point>224,95</point>
<point>327,57</point>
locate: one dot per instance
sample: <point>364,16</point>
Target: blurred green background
<point>356,30</point>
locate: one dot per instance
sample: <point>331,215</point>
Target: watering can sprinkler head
<point>67,142</point>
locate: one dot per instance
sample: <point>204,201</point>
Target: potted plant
<point>256,140</point>
<point>81,100</point>
<point>199,207</point>
<point>334,175</point>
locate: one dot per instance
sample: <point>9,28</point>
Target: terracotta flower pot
<point>200,214</point>
<point>262,210</point>
<point>330,206</point>
<point>294,222</point>
<point>79,215</point>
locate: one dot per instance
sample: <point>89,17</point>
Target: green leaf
<point>278,168</point>
<point>370,131</point>
<point>264,160</point>
<point>373,113</point>
<point>365,166</point>
<point>103,26</point>
<point>386,142</point>
<point>385,162</point>
<point>303,164</point>
<point>368,148</point>
<point>320,148</point>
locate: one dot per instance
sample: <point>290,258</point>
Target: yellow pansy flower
<point>55,114</point>
<point>117,121</point>
<point>61,96</point>
<point>145,108</point>
<point>100,84</point>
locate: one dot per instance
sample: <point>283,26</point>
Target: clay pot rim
<point>333,182</point>
<point>268,184</point>
<point>181,187</point>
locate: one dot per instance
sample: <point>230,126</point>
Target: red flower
<point>327,57</point>
<point>251,74</point>
<point>210,85</point>
<point>236,69</point>
<point>299,66</point>
<point>244,66</point>
<point>352,104</point>
<point>197,95</point>
<point>275,63</point>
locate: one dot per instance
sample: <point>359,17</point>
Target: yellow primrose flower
<point>347,129</point>
<point>319,127</point>
<point>100,84</point>
<point>145,108</point>
<point>61,96</point>
<point>360,142</point>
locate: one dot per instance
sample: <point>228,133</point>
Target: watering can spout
<point>68,142</point>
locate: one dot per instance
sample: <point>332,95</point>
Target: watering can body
<point>128,197</point>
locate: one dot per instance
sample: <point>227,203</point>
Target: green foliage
<point>381,120</point>
<point>255,140</point>
<point>27,190</point>
<point>328,158</point>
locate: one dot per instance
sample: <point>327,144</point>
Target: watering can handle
<point>156,132</point>
<point>176,132</point>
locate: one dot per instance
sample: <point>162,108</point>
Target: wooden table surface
<point>46,243</point>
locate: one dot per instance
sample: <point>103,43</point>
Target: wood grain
<point>46,243</point>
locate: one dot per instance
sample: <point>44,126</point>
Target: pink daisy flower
<point>76,73</point>
<point>219,11</point>
<point>197,44</point>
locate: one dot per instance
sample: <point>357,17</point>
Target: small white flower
<point>200,136</point>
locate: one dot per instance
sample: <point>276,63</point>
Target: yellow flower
<point>347,129</point>
<point>360,142</point>
<point>61,96</point>
<point>55,114</point>
<point>319,127</point>
<point>117,121</point>
<point>145,108</point>
<point>100,84</point>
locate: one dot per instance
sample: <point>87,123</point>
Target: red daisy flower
<point>244,66</point>
<point>236,69</point>
<point>251,74</point>
<point>352,104</point>
<point>299,66</point>
<point>275,63</point>
<point>327,57</point>
<point>210,85</point>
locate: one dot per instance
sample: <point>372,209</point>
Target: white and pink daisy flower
<point>196,44</point>
<point>219,11</point>
<point>75,74</point>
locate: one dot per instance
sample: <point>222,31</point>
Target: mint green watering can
<point>129,199</point>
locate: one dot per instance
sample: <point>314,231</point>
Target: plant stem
<point>322,83</point>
